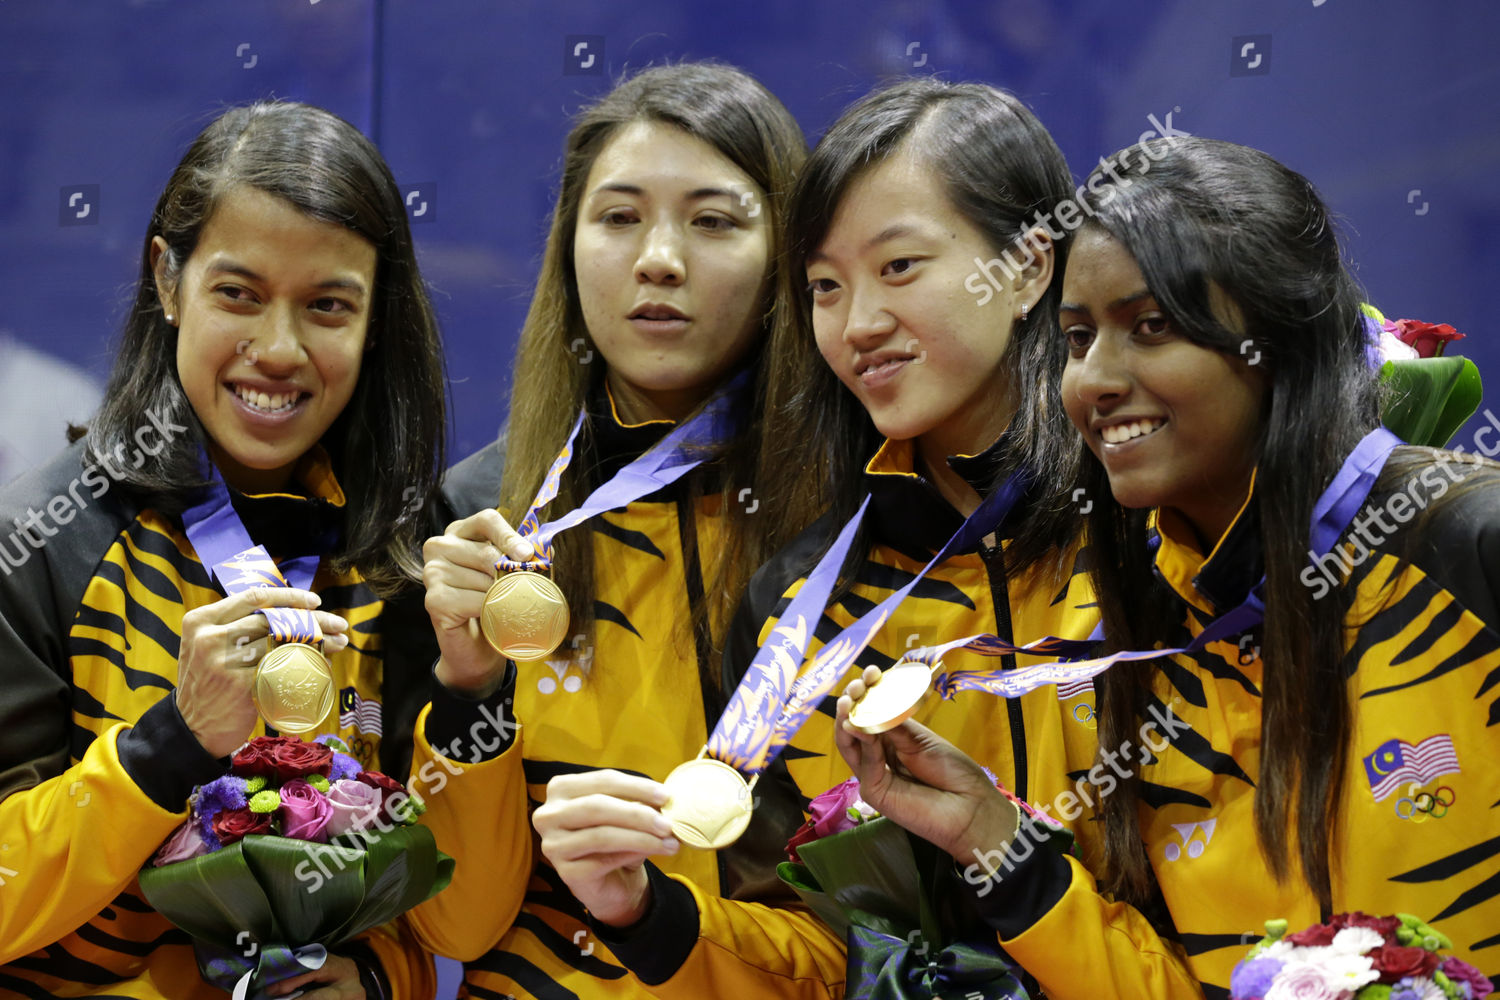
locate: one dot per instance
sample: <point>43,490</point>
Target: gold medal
<point>525,615</point>
<point>709,803</point>
<point>293,688</point>
<point>893,699</point>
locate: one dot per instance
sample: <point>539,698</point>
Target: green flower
<point>267,800</point>
<point>319,782</point>
<point>1375,991</point>
<point>255,784</point>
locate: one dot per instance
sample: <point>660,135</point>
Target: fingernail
<point>669,845</point>
<point>662,828</point>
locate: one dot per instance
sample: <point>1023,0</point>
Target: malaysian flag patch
<point>1397,762</point>
<point>359,713</point>
<point>1072,689</point>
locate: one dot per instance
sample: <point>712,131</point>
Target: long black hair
<point>1002,171</point>
<point>1198,215</point>
<point>387,444</point>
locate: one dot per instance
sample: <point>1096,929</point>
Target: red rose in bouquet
<point>282,758</point>
<point>1395,962</point>
<point>237,824</point>
<point>1427,339</point>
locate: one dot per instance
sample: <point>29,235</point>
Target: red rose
<point>1316,936</point>
<point>806,835</point>
<point>254,759</point>
<point>1386,927</point>
<point>389,787</point>
<point>296,758</point>
<point>1395,962</point>
<point>1427,339</point>
<point>236,824</point>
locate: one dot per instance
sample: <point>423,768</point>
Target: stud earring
<point>171,320</point>
<point>1024,309</point>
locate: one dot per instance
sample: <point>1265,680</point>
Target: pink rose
<point>1303,981</point>
<point>186,842</point>
<point>830,811</point>
<point>355,806</point>
<point>304,811</point>
<point>1462,972</point>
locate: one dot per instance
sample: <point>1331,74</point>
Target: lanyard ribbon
<point>224,546</point>
<point>746,737</point>
<point>689,445</point>
<point>1332,514</point>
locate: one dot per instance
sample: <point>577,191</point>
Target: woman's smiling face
<point>1174,424</point>
<point>272,310</point>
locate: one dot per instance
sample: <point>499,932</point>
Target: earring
<point>171,320</point>
<point>1024,308</point>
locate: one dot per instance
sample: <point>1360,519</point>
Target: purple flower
<point>1253,977</point>
<point>304,811</point>
<point>1465,974</point>
<point>186,842</point>
<point>830,811</point>
<point>355,806</point>
<point>344,766</point>
<point>220,795</point>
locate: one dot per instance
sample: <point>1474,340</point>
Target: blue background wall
<point>1388,105</point>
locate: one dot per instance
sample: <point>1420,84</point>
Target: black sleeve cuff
<point>1027,883</point>
<point>655,946</point>
<point>372,977</point>
<point>163,757</point>
<point>472,730</point>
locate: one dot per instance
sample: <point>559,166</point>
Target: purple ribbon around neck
<point>687,446</point>
<point>231,555</point>
<point>773,700</point>
<point>1332,514</point>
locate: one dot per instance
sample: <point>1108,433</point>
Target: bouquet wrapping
<point>1430,396</point>
<point>294,852</point>
<point>895,898</point>
<point>1356,957</point>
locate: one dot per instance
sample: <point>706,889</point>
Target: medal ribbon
<point>231,555</point>
<point>745,738</point>
<point>687,446</point>
<point>1333,512</point>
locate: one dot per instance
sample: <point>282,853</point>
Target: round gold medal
<point>293,688</point>
<point>894,699</point>
<point>709,804</point>
<point>525,615</point>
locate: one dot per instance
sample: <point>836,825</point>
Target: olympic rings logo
<point>1083,713</point>
<point>1420,806</point>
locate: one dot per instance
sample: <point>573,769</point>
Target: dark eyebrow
<point>1119,303</point>
<point>336,284</point>
<point>892,232</point>
<point>697,194</point>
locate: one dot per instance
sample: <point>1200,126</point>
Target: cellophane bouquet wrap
<point>295,851</point>
<point>910,929</point>
<point>1355,956</point>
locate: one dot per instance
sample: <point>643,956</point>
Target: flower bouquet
<point>1355,957</point>
<point>1431,395</point>
<point>294,851</point>
<point>893,897</point>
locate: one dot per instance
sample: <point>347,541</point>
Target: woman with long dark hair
<point>925,391</point>
<point>662,304</point>
<point>1332,752</point>
<point>280,356</point>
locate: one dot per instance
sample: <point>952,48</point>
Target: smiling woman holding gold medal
<point>277,396</point>
<point>637,439</point>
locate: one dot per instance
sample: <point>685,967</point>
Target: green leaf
<point>1430,398</point>
<point>215,897</point>
<point>871,869</point>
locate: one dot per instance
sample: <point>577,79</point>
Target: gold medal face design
<point>709,805</point>
<point>525,615</point>
<point>894,699</point>
<point>293,687</point>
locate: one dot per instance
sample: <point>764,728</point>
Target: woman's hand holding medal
<point>222,643</point>
<point>458,572</point>
<point>923,783</point>
<point>598,829</point>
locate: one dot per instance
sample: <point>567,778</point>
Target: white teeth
<point>1120,433</point>
<point>268,402</point>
